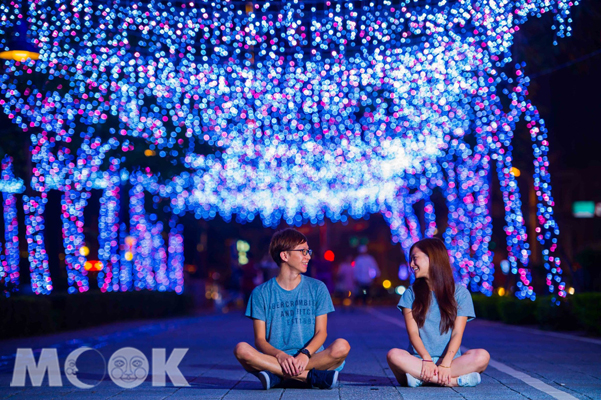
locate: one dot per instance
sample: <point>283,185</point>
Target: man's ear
<point>284,256</point>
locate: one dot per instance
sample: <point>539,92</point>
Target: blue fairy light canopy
<point>293,110</point>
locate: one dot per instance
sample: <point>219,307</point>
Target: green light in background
<point>583,209</point>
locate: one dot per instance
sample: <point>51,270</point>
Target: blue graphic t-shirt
<point>435,343</point>
<point>289,315</point>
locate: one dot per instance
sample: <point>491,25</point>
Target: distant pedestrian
<point>346,285</point>
<point>323,271</point>
<point>249,278</point>
<point>269,268</point>
<point>365,270</point>
<point>436,311</point>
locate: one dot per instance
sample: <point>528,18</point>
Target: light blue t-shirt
<point>435,343</point>
<point>289,315</point>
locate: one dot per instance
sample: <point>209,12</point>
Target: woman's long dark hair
<point>441,282</point>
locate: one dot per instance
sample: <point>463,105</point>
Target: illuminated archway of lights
<point>288,110</point>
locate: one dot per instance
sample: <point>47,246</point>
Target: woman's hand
<point>429,370</point>
<point>444,376</point>
<point>287,362</point>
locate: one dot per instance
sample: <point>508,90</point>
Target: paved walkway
<point>527,364</point>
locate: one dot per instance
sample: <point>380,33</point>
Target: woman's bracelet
<point>444,366</point>
<point>428,360</point>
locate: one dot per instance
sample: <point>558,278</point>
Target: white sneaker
<point>413,382</point>
<point>469,380</point>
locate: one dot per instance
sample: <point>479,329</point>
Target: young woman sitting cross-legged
<point>290,318</point>
<point>436,312</point>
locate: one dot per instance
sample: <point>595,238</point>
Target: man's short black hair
<point>284,240</point>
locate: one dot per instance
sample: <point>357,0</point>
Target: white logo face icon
<point>128,367</point>
<point>71,368</point>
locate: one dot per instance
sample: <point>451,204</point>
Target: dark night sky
<point>566,85</point>
<point>566,89</point>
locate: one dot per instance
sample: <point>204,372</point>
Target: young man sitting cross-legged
<point>290,318</point>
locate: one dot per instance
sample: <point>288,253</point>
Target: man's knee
<point>243,351</point>
<point>340,349</point>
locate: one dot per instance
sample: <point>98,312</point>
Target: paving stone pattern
<point>572,366</point>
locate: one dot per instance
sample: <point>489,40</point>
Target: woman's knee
<point>482,358</point>
<point>340,349</point>
<point>243,351</point>
<point>395,356</point>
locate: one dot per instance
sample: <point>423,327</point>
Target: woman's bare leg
<point>474,360</point>
<point>401,362</point>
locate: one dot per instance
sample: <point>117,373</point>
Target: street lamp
<point>18,47</point>
<point>19,55</point>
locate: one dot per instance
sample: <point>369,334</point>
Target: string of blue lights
<point>295,111</point>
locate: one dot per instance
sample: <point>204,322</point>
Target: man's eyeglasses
<point>306,252</point>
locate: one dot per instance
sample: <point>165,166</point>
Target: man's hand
<point>288,364</point>
<point>301,362</point>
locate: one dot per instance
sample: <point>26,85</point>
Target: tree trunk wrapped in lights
<point>73,204</point>
<point>9,267</point>
<point>108,236</point>
<point>41,282</point>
